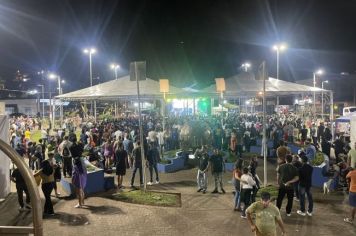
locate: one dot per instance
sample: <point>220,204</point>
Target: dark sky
<point>186,41</point>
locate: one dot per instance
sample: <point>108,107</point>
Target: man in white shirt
<point>351,157</point>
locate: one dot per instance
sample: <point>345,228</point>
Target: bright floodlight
<point>52,76</point>
<point>114,66</point>
<point>319,72</point>
<point>326,81</point>
<point>63,81</point>
<point>90,51</point>
<point>280,47</point>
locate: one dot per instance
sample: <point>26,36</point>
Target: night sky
<point>185,41</point>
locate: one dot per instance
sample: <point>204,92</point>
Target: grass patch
<point>165,161</point>
<point>149,198</point>
<point>272,189</point>
<point>170,153</point>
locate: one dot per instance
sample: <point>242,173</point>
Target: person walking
<point>136,155</point>
<point>305,181</point>
<point>351,176</point>
<point>203,162</point>
<point>152,159</point>
<point>64,151</point>
<point>217,167</point>
<point>266,216</point>
<point>79,179</point>
<point>21,187</point>
<point>286,176</point>
<point>247,183</point>
<point>120,160</point>
<point>47,177</point>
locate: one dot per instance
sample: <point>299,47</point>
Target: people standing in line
<point>79,179</point>
<point>247,183</point>
<point>137,164</point>
<point>266,216</point>
<point>64,151</point>
<point>287,175</point>
<point>203,162</point>
<point>351,177</point>
<point>47,176</point>
<point>152,159</point>
<point>236,181</point>
<point>21,187</point>
<point>120,160</point>
<point>305,183</point>
<point>217,168</point>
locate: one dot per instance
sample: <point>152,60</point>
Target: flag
<point>138,70</point>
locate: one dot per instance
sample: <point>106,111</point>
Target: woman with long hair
<point>236,178</point>
<point>47,177</point>
<point>108,153</point>
<point>79,179</point>
<point>120,159</point>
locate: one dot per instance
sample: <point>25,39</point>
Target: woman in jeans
<point>236,177</point>
<point>247,183</point>
<point>47,177</point>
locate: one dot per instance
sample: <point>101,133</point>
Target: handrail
<point>31,186</point>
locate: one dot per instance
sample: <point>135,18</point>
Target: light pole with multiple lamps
<point>280,47</point>
<point>115,67</point>
<point>246,66</point>
<point>90,52</point>
<point>322,97</point>
<point>318,72</point>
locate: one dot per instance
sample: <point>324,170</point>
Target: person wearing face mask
<point>266,216</point>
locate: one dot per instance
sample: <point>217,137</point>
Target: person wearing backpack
<point>64,151</point>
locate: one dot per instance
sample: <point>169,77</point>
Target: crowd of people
<point>116,145</point>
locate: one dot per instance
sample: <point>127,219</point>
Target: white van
<point>348,110</point>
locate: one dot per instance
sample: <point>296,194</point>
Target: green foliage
<point>319,159</point>
<point>148,198</point>
<point>273,190</point>
<point>165,161</point>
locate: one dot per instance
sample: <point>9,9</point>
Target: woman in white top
<point>247,183</point>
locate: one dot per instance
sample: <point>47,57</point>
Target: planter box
<point>95,183</point>
<point>269,143</point>
<point>176,164</point>
<point>318,179</point>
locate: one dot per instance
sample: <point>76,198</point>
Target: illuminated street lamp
<point>318,72</point>
<point>90,52</point>
<point>246,66</point>
<point>322,97</point>
<point>115,67</point>
<point>279,48</point>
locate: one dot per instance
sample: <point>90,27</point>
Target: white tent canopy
<point>120,88</point>
<point>244,84</point>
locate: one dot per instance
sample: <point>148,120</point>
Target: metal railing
<point>37,228</point>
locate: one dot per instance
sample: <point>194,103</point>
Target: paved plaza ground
<point>200,214</point>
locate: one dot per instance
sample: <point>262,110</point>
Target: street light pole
<point>115,67</point>
<point>90,52</point>
<point>42,90</point>
<point>318,72</point>
<point>322,98</point>
<point>279,48</point>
